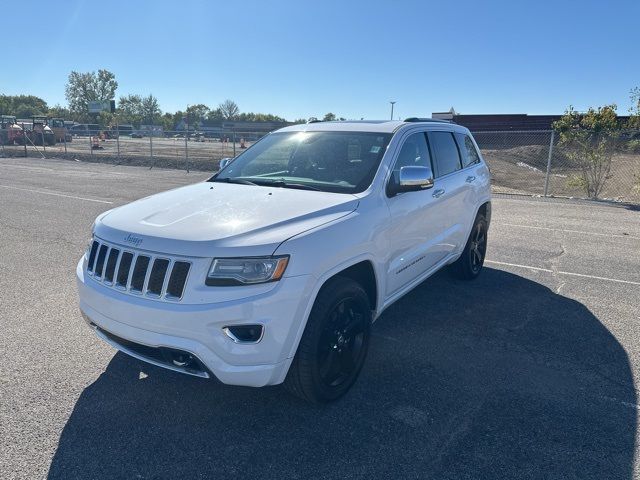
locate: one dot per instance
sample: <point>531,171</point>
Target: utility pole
<point>392,102</point>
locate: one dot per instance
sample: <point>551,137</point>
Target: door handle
<point>470,179</point>
<point>438,193</point>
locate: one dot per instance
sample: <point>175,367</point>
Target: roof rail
<point>435,120</point>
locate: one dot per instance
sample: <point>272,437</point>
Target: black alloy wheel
<point>334,344</point>
<point>470,263</point>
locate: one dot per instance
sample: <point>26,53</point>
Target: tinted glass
<point>414,152</point>
<point>445,151</point>
<point>469,153</point>
<point>342,162</point>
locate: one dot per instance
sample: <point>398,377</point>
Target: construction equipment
<point>60,132</point>
<point>10,132</point>
<point>41,132</point>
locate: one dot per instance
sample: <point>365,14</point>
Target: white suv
<point>273,270</point>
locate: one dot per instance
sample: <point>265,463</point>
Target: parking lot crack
<point>555,260</point>
<point>460,426</point>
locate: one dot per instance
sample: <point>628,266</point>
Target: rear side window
<point>445,152</point>
<point>470,155</point>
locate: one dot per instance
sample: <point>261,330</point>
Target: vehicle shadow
<point>496,378</point>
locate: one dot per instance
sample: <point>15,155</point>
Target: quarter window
<point>445,151</point>
<point>470,155</point>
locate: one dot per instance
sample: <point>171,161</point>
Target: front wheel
<point>334,344</point>
<point>470,263</point>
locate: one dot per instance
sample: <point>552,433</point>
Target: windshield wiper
<point>283,184</point>
<point>240,181</point>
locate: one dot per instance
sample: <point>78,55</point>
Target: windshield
<point>342,162</point>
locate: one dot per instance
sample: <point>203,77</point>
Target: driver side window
<point>414,152</point>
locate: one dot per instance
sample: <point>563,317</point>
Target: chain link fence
<point>165,149</point>
<point>521,162</point>
<point>605,167</point>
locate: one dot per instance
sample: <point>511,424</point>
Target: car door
<point>452,189</point>
<point>412,235</point>
<point>476,174</point>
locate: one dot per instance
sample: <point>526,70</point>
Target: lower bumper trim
<point>165,357</point>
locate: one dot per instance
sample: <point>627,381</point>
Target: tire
<point>334,344</point>
<point>470,263</point>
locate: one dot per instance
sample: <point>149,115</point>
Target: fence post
<point>234,143</point>
<point>151,148</point>
<point>24,140</point>
<point>64,136</point>
<point>186,158</point>
<point>44,149</point>
<point>546,178</point>
<point>186,146</point>
<point>90,144</point>
<point>118,141</point>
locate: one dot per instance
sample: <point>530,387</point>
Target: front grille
<point>138,273</point>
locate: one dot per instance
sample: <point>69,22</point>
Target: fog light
<point>244,333</point>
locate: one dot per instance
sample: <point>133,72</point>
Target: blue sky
<point>306,58</point>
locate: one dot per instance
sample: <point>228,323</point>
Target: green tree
<point>329,117</point>
<point>215,115</point>
<point>634,111</point>
<point>137,110</point>
<point>167,121</point>
<point>83,88</point>
<point>259,117</point>
<point>59,112</point>
<point>22,106</point>
<point>588,139</point>
<point>197,114</point>
<point>229,109</point>
<point>130,109</point>
<point>150,110</point>
<point>5,105</point>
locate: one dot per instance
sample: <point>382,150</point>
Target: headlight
<point>245,271</point>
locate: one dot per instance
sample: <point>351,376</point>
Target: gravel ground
<point>528,372</point>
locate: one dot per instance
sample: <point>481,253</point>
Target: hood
<point>193,220</point>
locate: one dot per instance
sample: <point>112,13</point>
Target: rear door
<point>475,173</point>
<point>413,234</point>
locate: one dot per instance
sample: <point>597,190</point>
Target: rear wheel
<point>470,263</point>
<point>334,344</point>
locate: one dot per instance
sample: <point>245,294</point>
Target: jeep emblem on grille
<point>134,240</point>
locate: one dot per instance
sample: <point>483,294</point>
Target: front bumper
<point>197,328</point>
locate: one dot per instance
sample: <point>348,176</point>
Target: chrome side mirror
<point>415,178</point>
<point>224,162</point>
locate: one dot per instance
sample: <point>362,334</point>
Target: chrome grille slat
<point>117,268</point>
<point>163,273</point>
<point>147,275</point>
<point>133,262</point>
<point>167,274</point>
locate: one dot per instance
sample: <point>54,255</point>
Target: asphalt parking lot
<point>528,372</point>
